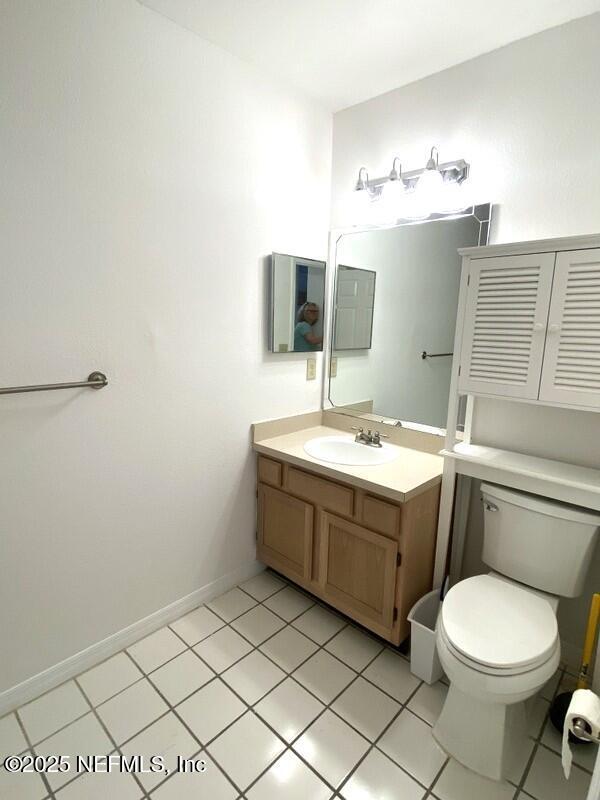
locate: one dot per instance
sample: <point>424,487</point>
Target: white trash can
<point>424,660</point>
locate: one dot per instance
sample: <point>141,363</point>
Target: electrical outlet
<point>333,368</point>
<point>311,369</point>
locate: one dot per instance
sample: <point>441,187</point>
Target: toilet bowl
<point>498,644</point>
<point>497,635</point>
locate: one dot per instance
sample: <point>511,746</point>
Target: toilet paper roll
<point>585,706</point>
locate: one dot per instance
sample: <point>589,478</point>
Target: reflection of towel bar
<point>95,380</point>
<point>425,355</point>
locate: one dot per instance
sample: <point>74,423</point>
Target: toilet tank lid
<point>499,624</point>
<point>542,505</point>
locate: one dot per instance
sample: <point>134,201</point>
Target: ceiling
<point>342,52</point>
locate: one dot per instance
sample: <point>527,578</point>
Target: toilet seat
<point>498,628</point>
<point>485,669</point>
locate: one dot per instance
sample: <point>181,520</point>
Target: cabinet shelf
<point>565,482</point>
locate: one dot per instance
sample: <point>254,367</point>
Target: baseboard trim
<point>79,662</point>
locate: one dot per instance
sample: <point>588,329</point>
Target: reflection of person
<point>304,338</point>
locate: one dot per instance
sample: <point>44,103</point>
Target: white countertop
<point>407,476</point>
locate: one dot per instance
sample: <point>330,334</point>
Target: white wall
<point>146,175</point>
<point>527,119</point>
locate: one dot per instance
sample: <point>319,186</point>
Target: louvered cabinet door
<point>571,371</point>
<point>505,325</point>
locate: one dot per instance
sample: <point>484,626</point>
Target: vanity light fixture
<point>415,194</point>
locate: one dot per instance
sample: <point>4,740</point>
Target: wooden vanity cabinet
<point>367,556</point>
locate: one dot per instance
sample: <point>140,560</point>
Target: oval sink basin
<point>343,450</point>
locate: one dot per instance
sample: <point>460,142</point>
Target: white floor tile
<point>258,624</point>
<point>210,784</point>
<point>515,772</point>
<point>392,674</point>
<point>546,780</point>
<point>428,701</point>
<point>197,625</point>
<point>319,624</point>
<point>366,708</point>
<point>133,709</point>
<point>231,604</point>
<point>223,649</point>
<point>85,737</point>
<point>102,682</point>
<point>354,647</point>
<point>167,737</point>
<point>289,709</point>
<point>410,744</point>
<point>291,779</point>
<point>12,741</point>
<point>156,649</point>
<point>245,749</point>
<point>289,603</point>
<point>52,711</point>
<point>100,786</point>
<point>324,676</point>
<point>289,648</point>
<point>21,786</point>
<point>537,711</point>
<point>331,747</point>
<point>459,783</point>
<point>584,754</point>
<point>378,778</point>
<point>178,678</point>
<point>253,677</point>
<point>263,585</point>
<point>210,710</point>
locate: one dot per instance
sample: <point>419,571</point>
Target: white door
<point>571,371</point>
<point>355,296</point>
<point>505,325</point>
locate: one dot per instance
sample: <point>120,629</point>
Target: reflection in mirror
<point>354,300</point>
<point>297,294</point>
<point>405,375</point>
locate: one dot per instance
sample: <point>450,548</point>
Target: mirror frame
<point>271,306</point>
<point>481,212</point>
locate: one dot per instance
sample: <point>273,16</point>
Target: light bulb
<point>452,199</point>
<point>429,185</point>
<point>392,201</point>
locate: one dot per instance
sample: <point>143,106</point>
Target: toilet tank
<point>539,542</point>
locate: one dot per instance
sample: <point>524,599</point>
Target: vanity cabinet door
<point>358,571</point>
<point>505,325</point>
<point>285,532</point>
<point>571,372</point>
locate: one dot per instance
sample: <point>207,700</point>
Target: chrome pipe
<point>95,380</point>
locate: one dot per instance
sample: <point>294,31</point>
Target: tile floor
<point>281,698</point>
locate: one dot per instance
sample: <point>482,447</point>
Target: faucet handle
<point>382,435</point>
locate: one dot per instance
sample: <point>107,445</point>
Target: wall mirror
<point>394,313</point>
<point>296,304</point>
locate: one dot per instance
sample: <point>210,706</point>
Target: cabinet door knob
<point>539,326</point>
<point>553,328</point>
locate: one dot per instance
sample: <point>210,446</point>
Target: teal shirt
<point>300,343</point>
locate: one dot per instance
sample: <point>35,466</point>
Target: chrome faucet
<point>369,438</point>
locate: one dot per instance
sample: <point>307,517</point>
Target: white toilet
<point>497,635</point>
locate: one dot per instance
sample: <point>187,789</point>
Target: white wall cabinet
<point>532,328</point>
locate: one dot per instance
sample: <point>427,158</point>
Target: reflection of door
<point>354,308</point>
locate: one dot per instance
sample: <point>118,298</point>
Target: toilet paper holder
<point>582,729</point>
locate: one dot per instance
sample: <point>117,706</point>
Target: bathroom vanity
<point>360,538</point>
